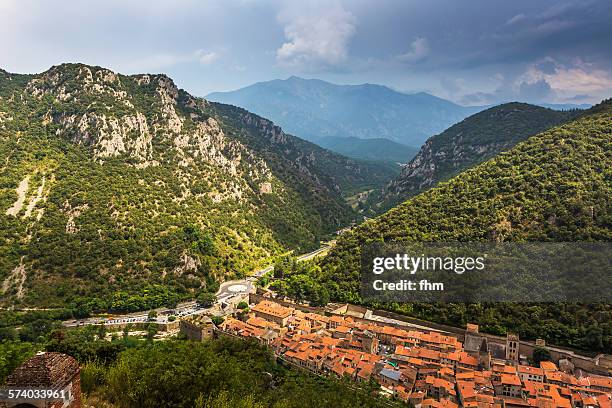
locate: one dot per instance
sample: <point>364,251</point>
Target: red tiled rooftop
<point>523,369</point>
<point>510,379</point>
<point>343,329</point>
<point>272,308</point>
<point>548,366</point>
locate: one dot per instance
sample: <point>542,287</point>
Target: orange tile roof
<point>548,366</point>
<point>446,371</point>
<point>510,379</point>
<point>272,308</point>
<point>515,401</point>
<point>466,389</point>
<point>428,354</point>
<point>604,382</point>
<point>467,359</point>
<point>261,323</point>
<point>553,376</point>
<point>416,361</point>
<point>465,375</point>
<point>440,383</point>
<point>509,369</point>
<point>401,350</point>
<point>329,341</point>
<point>523,369</point>
<point>442,403</point>
<point>342,329</point>
<point>604,400</point>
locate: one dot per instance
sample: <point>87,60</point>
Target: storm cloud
<point>476,52</point>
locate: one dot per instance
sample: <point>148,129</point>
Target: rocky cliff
<point>117,189</point>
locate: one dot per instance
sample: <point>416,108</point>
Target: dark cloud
<point>524,91</point>
<point>476,50</point>
<point>539,90</point>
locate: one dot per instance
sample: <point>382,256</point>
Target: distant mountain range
<point>313,109</point>
<point>338,116</point>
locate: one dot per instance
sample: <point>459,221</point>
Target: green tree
<point>217,320</point>
<point>540,354</point>
<point>12,354</point>
<point>206,299</point>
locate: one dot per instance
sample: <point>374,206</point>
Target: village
<point>424,368</point>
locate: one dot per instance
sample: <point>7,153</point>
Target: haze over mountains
<point>335,116</point>
<point>376,149</point>
<point>315,109</point>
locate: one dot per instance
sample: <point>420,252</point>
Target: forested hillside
<point>286,153</point>
<point>467,143</point>
<point>555,186</point>
<point>125,192</point>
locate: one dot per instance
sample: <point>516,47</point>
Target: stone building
<point>512,347</point>
<point>198,327</point>
<point>272,312</point>
<point>477,346</point>
<point>47,370</point>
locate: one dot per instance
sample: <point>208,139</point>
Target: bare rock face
<point>168,94</point>
<point>265,188</point>
<point>73,213</point>
<point>144,136</point>
<point>188,264</point>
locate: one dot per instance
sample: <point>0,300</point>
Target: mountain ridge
<point>123,192</point>
<point>468,143</point>
<point>313,108</point>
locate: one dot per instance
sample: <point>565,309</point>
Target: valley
<point>305,204</point>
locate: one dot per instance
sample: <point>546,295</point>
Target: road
<point>303,257</point>
<point>228,291</point>
<point>181,310</point>
<point>231,289</point>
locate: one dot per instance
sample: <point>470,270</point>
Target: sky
<point>472,52</point>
